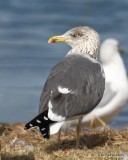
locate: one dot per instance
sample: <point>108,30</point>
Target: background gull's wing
<point>109,94</point>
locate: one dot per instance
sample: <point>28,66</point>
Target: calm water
<point>25,56</point>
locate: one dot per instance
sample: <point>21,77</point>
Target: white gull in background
<point>116,87</point>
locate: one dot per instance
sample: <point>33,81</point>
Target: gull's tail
<point>41,122</point>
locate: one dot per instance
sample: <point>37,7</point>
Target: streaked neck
<point>80,52</point>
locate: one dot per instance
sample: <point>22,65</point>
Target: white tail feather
<point>54,128</point>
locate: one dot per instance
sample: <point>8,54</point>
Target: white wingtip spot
<point>63,90</point>
<point>44,134</point>
<point>36,127</point>
<point>45,118</point>
<point>38,121</point>
<point>42,129</point>
<point>30,125</point>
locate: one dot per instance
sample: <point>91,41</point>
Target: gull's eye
<point>77,34</point>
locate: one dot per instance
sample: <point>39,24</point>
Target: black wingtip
<point>42,122</point>
<point>27,126</point>
<point>46,137</point>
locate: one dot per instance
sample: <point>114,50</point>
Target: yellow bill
<point>56,39</point>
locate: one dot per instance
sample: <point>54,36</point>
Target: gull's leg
<point>101,121</point>
<point>58,136</point>
<point>78,129</point>
<point>93,123</point>
<point>67,128</point>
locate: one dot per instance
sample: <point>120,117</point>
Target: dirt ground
<point>19,144</point>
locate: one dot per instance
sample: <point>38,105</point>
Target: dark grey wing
<point>51,84</point>
<point>84,80</point>
<point>108,95</point>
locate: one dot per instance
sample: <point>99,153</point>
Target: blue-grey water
<point>26,58</point>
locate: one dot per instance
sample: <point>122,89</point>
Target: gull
<point>74,86</point>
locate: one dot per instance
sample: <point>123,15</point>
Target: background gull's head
<point>110,50</point>
<point>82,39</point>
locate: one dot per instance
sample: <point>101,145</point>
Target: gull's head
<point>109,50</point>
<point>82,39</point>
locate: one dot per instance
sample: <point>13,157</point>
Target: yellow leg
<point>58,137</point>
<point>101,121</point>
<point>93,123</point>
<point>78,129</point>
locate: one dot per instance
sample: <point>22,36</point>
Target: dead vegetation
<point>18,144</point>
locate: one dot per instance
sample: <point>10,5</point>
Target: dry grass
<point>18,144</point>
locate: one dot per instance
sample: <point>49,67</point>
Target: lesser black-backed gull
<point>75,85</point>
